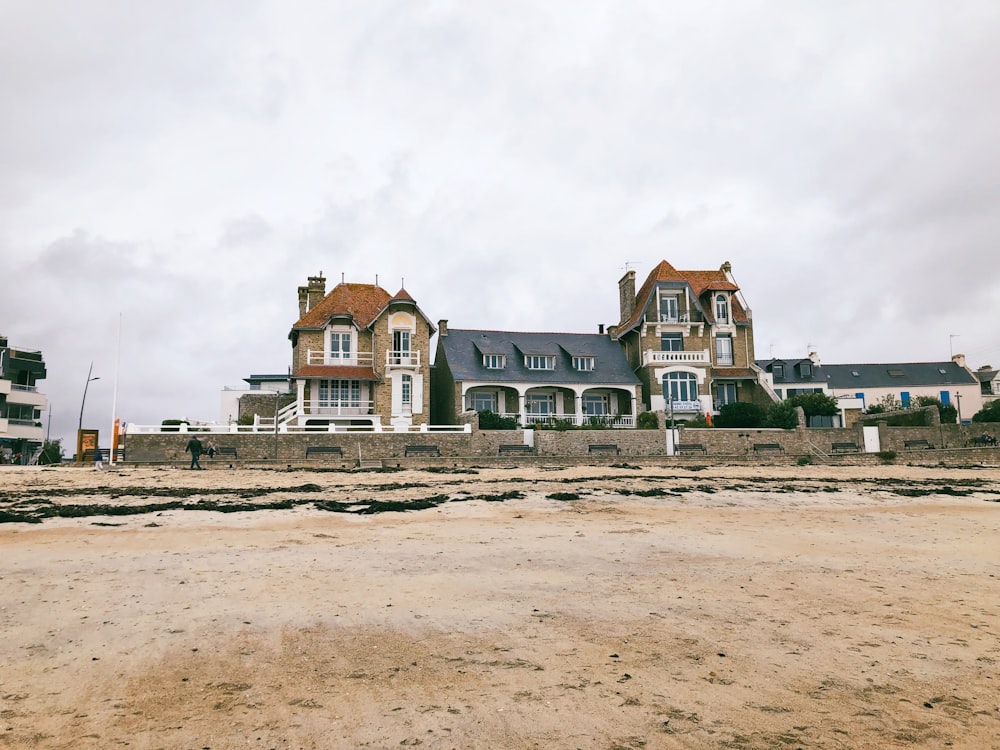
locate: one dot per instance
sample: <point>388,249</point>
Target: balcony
<point>650,357</point>
<point>402,358</point>
<point>363,359</point>
<point>616,421</point>
<point>24,394</point>
<point>681,317</point>
<point>28,429</point>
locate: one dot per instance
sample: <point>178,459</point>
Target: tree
<point>740,414</point>
<point>782,415</point>
<point>815,404</point>
<point>51,452</point>
<point>989,413</point>
<point>885,404</point>
<point>948,414</point>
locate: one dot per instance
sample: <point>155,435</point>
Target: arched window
<point>680,386</point>
<point>721,309</point>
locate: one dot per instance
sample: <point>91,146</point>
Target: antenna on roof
<point>630,263</point>
<point>341,277</point>
<point>402,282</point>
<point>376,279</point>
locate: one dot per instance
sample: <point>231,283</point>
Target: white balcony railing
<point>682,317</point>
<point>609,420</point>
<point>314,357</point>
<point>29,388</point>
<point>650,357</point>
<point>402,359</point>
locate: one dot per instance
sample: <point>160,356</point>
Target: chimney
<point>600,328</point>
<point>442,328</point>
<point>726,268</point>
<point>814,357</point>
<point>316,290</point>
<point>626,295</point>
<point>959,359</point>
<point>303,300</point>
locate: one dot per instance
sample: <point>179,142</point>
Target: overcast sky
<point>182,167</point>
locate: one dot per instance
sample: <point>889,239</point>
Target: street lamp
<point>84,399</point>
<point>958,404</point>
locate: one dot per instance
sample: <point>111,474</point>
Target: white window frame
<point>672,315</point>
<point>600,400</point>
<point>534,400</point>
<point>339,393</point>
<point>406,391</point>
<point>677,384</point>
<point>494,361</point>
<point>583,364</point>
<point>721,308</point>
<point>723,358</point>
<point>483,396</point>
<point>539,362</point>
<point>341,337</point>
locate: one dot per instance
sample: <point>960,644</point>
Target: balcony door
<point>400,347</point>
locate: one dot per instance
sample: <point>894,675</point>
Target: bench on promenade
<point>88,455</point>
<point>984,439</point>
<point>225,450</point>
<point>846,447</point>
<point>690,448</point>
<point>921,443</point>
<point>603,448</point>
<point>516,448</point>
<point>767,448</point>
<point>421,450</point>
<point>324,450</point>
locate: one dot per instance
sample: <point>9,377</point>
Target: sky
<point>170,173</point>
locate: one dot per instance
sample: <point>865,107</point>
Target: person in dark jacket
<point>195,448</point>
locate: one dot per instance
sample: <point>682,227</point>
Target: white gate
<point>871,440</point>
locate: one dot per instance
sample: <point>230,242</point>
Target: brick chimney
<point>442,328</point>
<point>316,290</point>
<point>959,359</point>
<point>303,300</point>
<point>626,295</point>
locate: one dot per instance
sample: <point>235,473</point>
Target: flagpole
<point>114,398</point>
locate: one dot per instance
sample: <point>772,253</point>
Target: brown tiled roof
<point>733,373</point>
<point>339,372</point>
<point>402,296</point>
<point>699,281</point>
<point>363,302</point>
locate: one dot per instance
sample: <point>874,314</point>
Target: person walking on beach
<point>98,464</point>
<point>194,447</point>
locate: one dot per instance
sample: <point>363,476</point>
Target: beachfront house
<point>577,378</point>
<point>688,335</point>
<point>360,358</point>
<point>21,403</point>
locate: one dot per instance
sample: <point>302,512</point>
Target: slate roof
<point>699,281</point>
<point>463,350</point>
<point>791,375</point>
<point>897,375</point>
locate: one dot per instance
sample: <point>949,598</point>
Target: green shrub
<point>647,420</point>
<point>489,420</point>
<point>782,415</point>
<point>989,413</point>
<point>740,414</point>
<point>886,457</point>
<point>804,460</point>
<point>948,414</point>
<point>52,452</point>
<point>815,404</point>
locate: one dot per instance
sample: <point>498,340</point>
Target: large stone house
<point>21,404</point>
<point>360,358</point>
<point>533,377</point>
<point>688,335</point>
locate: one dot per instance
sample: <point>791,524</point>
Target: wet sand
<point>771,607</point>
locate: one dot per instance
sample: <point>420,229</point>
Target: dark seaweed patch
<point>563,496</point>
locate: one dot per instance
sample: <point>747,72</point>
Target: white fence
<point>203,428</point>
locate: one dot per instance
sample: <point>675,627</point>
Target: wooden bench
<point>518,448</point>
<point>984,439</point>
<point>909,444</point>
<point>850,447</point>
<point>224,450</point>
<point>324,450</point>
<point>603,448</point>
<point>421,450</point>
<point>690,448</point>
<point>767,448</point>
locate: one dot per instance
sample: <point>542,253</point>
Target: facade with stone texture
<point>360,358</point>
<point>688,335</point>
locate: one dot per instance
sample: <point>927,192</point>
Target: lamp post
<point>83,401</point>
<point>958,405</point>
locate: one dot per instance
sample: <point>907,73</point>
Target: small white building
<point>229,402</point>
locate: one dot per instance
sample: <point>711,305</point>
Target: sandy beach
<point>592,607</point>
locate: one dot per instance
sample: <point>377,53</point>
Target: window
<point>725,393</point>
<point>406,391</point>
<point>778,371</point>
<point>680,386</point>
<point>595,405</point>
<point>895,373</point>
<point>668,310</point>
<point>539,362</point>
<point>671,342</point>
<point>805,370</point>
<point>540,404</point>
<point>338,393</point>
<point>721,309</point>
<point>494,361</point>
<point>724,350</point>
<point>484,401</point>
<point>400,347</point>
<point>340,345</point>
<point>583,364</point>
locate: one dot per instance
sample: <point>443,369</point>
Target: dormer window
<point>721,309</point>
<point>669,309</point>
<point>539,362</point>
<point>583,364</point>
<point>340,345</point>
<point>805,370</point>
<point>778,371</point>
<point>494,361</point>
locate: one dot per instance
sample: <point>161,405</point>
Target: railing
<point>402,359</point>
<point>692,358</point>
<point>724,360</point>
<point>314,357</point>
<point>29,388</point>
<point>24,422</point>
<point>606,420</point>
<point>224,429</point>
<point>690,316</point>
